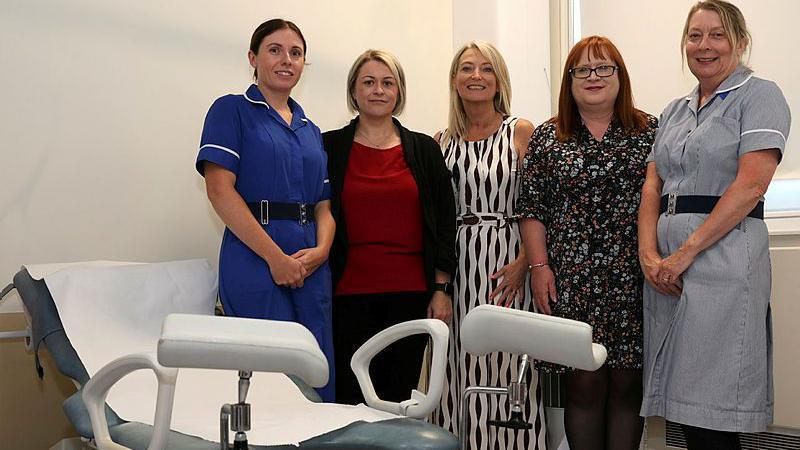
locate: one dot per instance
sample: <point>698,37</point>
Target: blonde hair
<point>394,66</point>
<point>733,24</point>
<point>457,122</point>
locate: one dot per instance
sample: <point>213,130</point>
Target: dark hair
<point>568,118</point>
<point>269,27</point>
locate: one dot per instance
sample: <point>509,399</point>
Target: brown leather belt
<point>488,219</point>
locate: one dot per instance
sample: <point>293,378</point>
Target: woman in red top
<point>393,252</point>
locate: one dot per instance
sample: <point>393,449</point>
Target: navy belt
<point>699,204</point>
<point>265,210</point>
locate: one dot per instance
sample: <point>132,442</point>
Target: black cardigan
<point>425,160</point>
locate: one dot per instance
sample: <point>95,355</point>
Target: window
<point>783,198</point>
<point>575,21</point>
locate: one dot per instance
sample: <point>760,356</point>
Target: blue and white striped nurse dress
<point>708,354</point>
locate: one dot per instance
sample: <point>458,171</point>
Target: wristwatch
<point>446,287</point>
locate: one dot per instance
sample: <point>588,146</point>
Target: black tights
<point>602,409</point>
<point>705,439</point>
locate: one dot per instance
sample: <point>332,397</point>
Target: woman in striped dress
<point>483,146</point>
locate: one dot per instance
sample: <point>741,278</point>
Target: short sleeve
<point>651,155</point>
<point>324,178</point>
<point>326,181</point>
<point>532,202</point>
<point>326,188</point>
<point>661,125</point>
<point>220,142</point>
<point>765,119</point>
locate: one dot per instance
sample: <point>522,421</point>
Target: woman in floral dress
<point>580,191</point>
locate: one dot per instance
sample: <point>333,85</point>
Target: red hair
<point>568,118</point>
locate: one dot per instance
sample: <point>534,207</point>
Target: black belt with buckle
<point>475,219</point>
<point>265,210</point>
<point>699,204</point>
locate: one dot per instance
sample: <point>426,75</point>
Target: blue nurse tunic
<point>278,162</point>
<point>708,353</point>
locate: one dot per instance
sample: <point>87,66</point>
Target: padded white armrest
<point>490,328</point>
<point>233,343</point>
<point>96,389</point>
<point>419,405</point>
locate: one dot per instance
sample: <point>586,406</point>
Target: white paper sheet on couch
<point>110,312</point>
<point>39,271</point>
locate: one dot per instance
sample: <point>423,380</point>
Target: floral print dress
<point>586,193</point>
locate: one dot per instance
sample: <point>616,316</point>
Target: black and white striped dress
<point>486,184</point>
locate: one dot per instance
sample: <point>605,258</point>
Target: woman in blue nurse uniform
<point>703,243</point>
<point>266,178</point>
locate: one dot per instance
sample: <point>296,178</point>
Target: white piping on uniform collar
<point>735,87</point>
<point>722,91</point>
<point>691,94</point>
<point>256,101</point>
<point>267,105</point>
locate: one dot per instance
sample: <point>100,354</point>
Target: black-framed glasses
<point>586,72</point>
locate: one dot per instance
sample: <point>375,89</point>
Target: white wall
<point>103,104</point>
<point>648,33</point>
<point>520,30</point>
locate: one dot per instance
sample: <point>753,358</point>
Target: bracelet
<point>537,265</point>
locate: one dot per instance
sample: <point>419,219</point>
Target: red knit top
<point>383,216</point>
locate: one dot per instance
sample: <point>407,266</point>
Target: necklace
<point>381,144</point>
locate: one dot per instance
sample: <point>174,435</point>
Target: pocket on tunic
<point>719,150</point>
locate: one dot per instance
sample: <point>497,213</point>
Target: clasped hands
<point>292,270</point>
<point>665,274</point>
